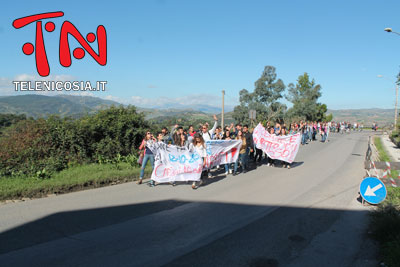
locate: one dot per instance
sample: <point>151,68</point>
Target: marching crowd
<point>195,139</point>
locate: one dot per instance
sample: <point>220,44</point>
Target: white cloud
<point>57,77</point>
<point>188,101</point>
<point>6,86</point>
<point>194,101</point>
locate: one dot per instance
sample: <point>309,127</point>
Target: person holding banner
<point>271,161</point>
<point>227,136</point>
<point>207,135</point>
<point>284,163</point>
<point>242,153</point>
<point>199,146</point>
<point>148,154</point>
<point>249,142</point>
<point>183,140</point>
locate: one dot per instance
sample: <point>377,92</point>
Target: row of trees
<point>269,90</point>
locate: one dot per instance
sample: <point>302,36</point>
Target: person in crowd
<point>327,131</point>
<point>323,132</point>
<point>231,126</point>
<point>309,131</point>
<point>284,163</point>
<point>249,143</point>
<point>227,136</point>
<point>314,130</point>
<point>168,136</point>
<point>292,129</point>
<point>191,131</point>
<point>160,137</point>
<point>199,146</point>
<point>242,153</point>
<point>218,135</point>
<point>147,155</point>
<point>207,136</point>
<point>277,128</point>
<point>303,130</point>
<point>183,140</point>
<point>238,127</point>
<point>176,136</point>
<point>270,161</point>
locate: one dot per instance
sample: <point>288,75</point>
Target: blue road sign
<point>373,190</point>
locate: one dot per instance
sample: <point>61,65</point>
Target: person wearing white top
<point>207,135</point>
<point>199,146</point>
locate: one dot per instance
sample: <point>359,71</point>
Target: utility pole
<point>395,106</point>
<point>222,114</point>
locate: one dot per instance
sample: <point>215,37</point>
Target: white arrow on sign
<point>371,191</point>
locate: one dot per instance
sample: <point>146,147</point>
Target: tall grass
<point>71,179</point>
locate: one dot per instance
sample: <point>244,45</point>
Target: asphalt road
<point>306,216</point>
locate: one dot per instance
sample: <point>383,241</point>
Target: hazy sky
<point>188,51</point>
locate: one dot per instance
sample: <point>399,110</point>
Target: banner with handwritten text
<point>220,152</point>
<point>174,163</point>
<point>284,148</point>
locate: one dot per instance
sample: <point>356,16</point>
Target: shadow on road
<point>65,224</point>
<point>274,239</point>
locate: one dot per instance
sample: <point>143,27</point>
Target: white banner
<point>221,152</point>
<point>277,147</point>
<point>173,163</point>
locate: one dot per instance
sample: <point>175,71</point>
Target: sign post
<point>252,116</point>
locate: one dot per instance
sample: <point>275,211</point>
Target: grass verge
<point>383,154</point>
<point>385,227</point>
<point>69,180</point>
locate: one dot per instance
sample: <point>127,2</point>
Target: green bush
<point>41,147</point>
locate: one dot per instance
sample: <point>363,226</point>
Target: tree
<point>6,120</point>
<point>268,90</point>
<point>304,97</point>
<point>329,117</point>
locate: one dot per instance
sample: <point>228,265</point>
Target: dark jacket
<point>249,139</point>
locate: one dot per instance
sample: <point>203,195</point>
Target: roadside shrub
<point>113,131</point>
<point>40,147</point>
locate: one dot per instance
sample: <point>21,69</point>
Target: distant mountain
<point>75,106</point>
<point>367,116</point>
<point>203,108</point>
<point>42,106</point>
<point>90,101</point>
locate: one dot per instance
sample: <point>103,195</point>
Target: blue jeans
<point>303,139</point>
<point>242,158</point>
<point>323,137</point>
<point>227,167</point>
<point>146,158</point>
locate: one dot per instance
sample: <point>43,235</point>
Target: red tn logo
<point>42,64</point>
